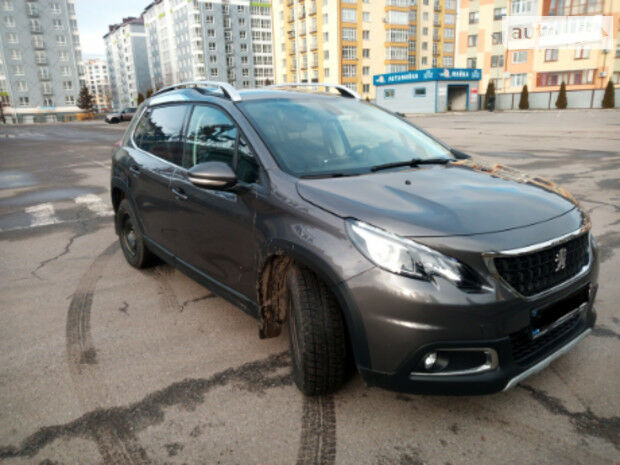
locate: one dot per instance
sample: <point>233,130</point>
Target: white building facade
<point>127,62</point>
<point>218,40</point>
<point>97,80</point>
<point>40,60</point>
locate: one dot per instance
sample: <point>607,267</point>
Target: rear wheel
<point>317,334</point>
<point>131,239</point>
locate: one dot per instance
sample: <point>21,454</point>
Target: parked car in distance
<point>375,243</point>
<point>124,115</point>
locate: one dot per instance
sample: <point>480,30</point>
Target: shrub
<point>524,101</point>
<point>609,99</point>
<point>140,98</point>
<point>561,102</point>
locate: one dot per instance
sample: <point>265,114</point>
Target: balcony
<point>38,44</point>
<point>437,7</point>
<point>32,12</point>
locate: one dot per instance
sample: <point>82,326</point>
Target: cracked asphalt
<point>103,364</point>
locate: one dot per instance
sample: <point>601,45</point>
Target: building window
<point>349,33</point>
<point>24,101</point>
<point>389,93</point>
<point>551,54</point>
<point>16,55</point>
<point>448,33</point>
<point>582,53</point>
<point>366,53</point>
<point>70,100</point>
<point>18,70</point>
<point>449,18</point>
<point>213,72</point>
<point>366,17</point>
<point>518,80</point>
<point>366,88</point>
<point>472,40</point>
<point>473,17</point>
<point>67,85</point>
<point>448,47</point>
<point>497,61</point>
<point>519,56</point>
<point>366,70</point>
<point>521,7</point>
<point>471,62</point>
<point>9,21</point>
<point>349,53</point>
<point>58,24</point>
<point>349,70</point>
<point>419,92</point>
<point>349,15</point>
<point>448,62</point>
<point>499,13</point>
<point>424,60</point>
<point>578,77</point>
<point>496,38</point>
<point>366,35</point>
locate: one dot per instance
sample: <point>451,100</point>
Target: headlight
<point>408,258</point>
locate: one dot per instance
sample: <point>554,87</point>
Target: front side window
<point>310,136</point>
<point>211,136</point>
<point>160,132</point>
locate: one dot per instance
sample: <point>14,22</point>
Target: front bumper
<point>402,320</point>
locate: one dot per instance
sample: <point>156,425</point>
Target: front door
<point>216,226</point>
<point>158,136</point>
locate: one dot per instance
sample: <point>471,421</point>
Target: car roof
<point>193,94</point>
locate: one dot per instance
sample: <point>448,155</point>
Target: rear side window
<point>160,132</point>
<point>211,136</point>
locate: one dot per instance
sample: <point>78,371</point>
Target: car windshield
<point>325,136</point>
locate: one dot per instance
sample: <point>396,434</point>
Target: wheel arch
<point>271,293</point>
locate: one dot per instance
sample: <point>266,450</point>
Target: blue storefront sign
<point>433,74</point>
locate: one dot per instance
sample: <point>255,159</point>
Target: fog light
<point>430,360</point>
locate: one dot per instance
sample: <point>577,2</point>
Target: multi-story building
<point>349,41</point>
<point>219,40</point>
<point>98,82</point>
<point>127,61</point>
<point>39,59</point>
<point>480,45</point>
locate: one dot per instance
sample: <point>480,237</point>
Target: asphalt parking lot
<point>103,364</point>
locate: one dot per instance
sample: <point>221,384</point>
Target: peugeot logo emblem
<point>560,259</point>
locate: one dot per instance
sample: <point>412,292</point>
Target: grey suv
<point>376,244</point>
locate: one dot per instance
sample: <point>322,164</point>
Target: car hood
<point>463,198</point>
<point>113,115</point>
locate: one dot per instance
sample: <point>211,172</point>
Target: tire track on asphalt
<point>115,441</point>
<point>317,445</point>
<point>110,427</point>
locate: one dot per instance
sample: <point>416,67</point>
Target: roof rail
<point>344,91</point>
<point>228,90</point>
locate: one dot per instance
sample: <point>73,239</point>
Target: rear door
<point>216,226</point>
<point>158,137</point>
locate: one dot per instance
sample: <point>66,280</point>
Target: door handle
<point>135,170</point>
<point>179,194</point>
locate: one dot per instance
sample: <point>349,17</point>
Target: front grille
<point>526,350</point>
<point>535,272</point>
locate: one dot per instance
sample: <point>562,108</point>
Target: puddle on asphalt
<point>12,179</point>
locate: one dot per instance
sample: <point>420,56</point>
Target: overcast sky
<point>94,16</point>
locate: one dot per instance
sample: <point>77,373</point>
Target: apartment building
<point>97,80</point>
<point>128,66</point>
<point>220,40</point>
<point>40,59</point>
<point>349,41</point>
<point>480,46</point>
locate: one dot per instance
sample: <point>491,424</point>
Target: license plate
<point>544,319</point>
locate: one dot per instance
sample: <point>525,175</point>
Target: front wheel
<point>317,334</point>
<point>131,239</point>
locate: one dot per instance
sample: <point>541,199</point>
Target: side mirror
<point>212,174</point>
<point>459,155</point>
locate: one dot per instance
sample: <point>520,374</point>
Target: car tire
<point>132,241</point>
<point>316,333</point>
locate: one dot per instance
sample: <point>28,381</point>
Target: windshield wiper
<point>412,163</point>
<point>327,175</point>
